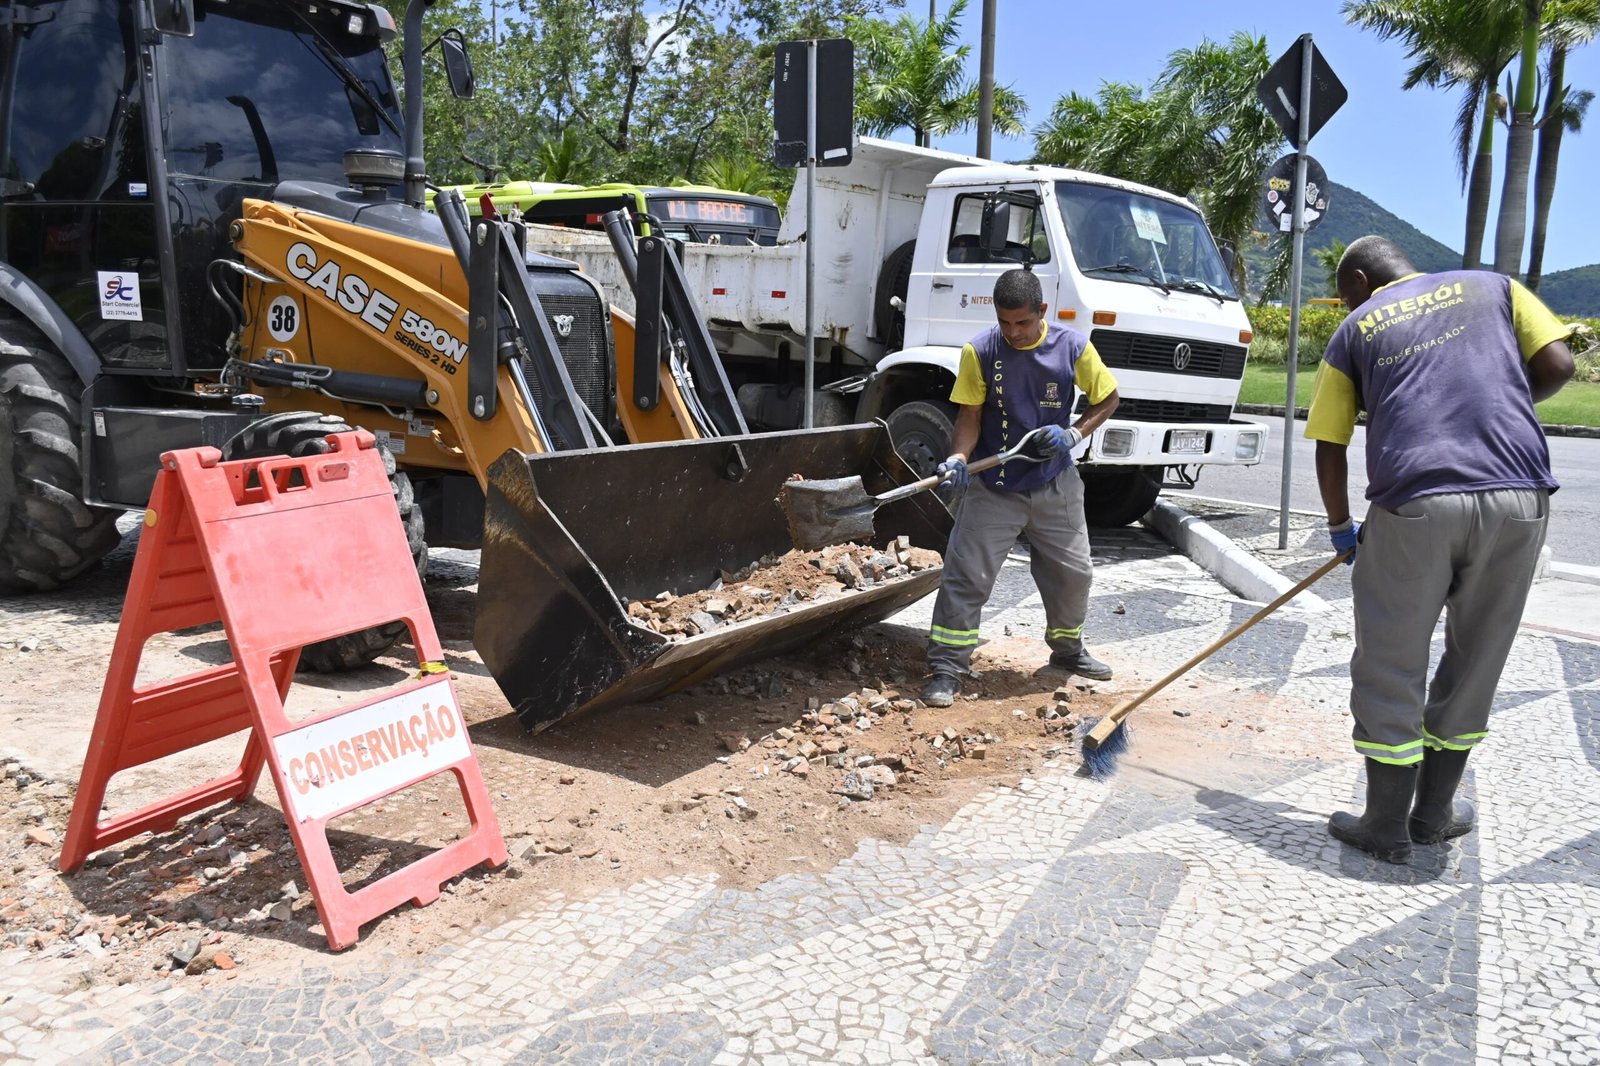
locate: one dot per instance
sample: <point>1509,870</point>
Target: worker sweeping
<point>1014,377</point>
<point>1448,367</point>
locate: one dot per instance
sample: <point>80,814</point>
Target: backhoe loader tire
<point>297,433</point>
<point>48,535</point>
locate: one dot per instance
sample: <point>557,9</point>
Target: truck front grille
<point>1145,351</point>
<point>1132,409</point>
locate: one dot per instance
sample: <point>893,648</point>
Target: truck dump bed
<point>571,538</point>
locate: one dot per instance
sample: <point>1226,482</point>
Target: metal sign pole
<point>1297,227</point>
<point>811,223</point>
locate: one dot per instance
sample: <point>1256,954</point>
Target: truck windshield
<point>1126,236</point>
<point>265,92</point>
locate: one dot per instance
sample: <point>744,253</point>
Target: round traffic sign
<point>1280,192</point>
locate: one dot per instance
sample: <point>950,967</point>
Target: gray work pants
<point>1474,553</point>
<point>987,524</point>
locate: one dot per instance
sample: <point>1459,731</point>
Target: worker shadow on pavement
<point>1295,834</point>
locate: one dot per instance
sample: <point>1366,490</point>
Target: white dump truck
<point>909,243</point>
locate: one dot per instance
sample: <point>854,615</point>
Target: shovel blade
<point>827,511</point>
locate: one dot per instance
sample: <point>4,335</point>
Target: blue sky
<point>1393,146</point>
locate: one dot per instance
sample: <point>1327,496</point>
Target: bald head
<point>1369,263</point>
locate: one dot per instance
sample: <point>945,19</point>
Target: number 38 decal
<point>283,318</point>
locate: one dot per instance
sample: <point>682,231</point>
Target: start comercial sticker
<point>119,296</point>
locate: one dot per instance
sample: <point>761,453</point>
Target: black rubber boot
<point>1080,662</point>
<point>940,691</point>
<point>1438,815</point>
<point>1381,830</point>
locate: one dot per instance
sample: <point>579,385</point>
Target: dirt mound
<point>775,583</point>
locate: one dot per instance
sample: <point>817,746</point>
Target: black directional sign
<point>1280,92</point>
<point>836,109</point>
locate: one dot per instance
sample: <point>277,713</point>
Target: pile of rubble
<point>775,583</point>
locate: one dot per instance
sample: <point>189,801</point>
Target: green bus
<point>698,214</point>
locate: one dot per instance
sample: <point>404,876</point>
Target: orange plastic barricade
<point>284,552</point>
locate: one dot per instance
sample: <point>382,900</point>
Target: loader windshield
<point>1121,235</point>
<point>268,92</point>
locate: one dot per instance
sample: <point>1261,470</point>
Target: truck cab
<point>1133,268</point>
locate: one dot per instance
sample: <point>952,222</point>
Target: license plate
<point>1188,442</point>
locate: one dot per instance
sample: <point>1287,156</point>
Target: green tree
<point>912,75</point>
<point>1328,256</point>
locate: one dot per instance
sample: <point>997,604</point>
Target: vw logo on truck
<point>1180,357</point>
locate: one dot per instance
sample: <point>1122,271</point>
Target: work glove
<point>954,472</point>
<point>1345,536</point>
<point>1058,440</point>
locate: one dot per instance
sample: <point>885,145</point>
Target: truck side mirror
<point>1226,248</point>
<point>457,65</point>
<point>175,17</point>
<point>995,227</point>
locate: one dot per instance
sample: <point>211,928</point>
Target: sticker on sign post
<point>1147,223</point>
<point>352,758</point>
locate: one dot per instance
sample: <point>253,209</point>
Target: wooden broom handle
<point>1107,725</point>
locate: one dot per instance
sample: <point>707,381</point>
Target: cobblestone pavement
<point>1174,914</point>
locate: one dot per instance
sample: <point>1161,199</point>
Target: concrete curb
<point>1588,575</point>
<point>1276,411</point>
<point>1219,556</point>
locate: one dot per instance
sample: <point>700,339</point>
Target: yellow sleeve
<point>969,388</point>
<point>1091,375</point>
<point>1333,407</point>
<point>1535,325</point>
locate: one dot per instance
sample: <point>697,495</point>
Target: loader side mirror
<point>995,227</point>
<point>457,65</point>
<point>175,17</point>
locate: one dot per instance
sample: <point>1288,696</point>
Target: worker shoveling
<point>836,510</point>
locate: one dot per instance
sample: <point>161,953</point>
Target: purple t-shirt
<point>1437,367</point>
<point>1025,390</point>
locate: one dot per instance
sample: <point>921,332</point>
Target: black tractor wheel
<point>921,433</point>
<point>298,433</point>
<point>1118,495</point>
<point>48,535</point>
<point>894,279</point>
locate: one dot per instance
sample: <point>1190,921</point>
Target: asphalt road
<point>1574,512</point>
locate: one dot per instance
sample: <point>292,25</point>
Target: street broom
<point>1105,739</point>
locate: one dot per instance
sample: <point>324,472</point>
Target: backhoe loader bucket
<point>570,538</point>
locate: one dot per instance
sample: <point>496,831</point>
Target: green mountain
<point>1351,215</point>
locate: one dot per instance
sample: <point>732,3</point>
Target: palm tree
<point>742,173</point>
<point>1199,132</point>
<point>563,159</point>
<point>912,75</point>
<point>1461,44</point>
<point>1328,258</point>
<point>1574,24</point>
<point>1512,226</point>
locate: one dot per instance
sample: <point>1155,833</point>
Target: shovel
<point>836,510</point>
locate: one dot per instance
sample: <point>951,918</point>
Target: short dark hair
<point>1379,258</point>
<point>1018,289</point>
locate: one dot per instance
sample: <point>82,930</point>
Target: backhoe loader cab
<point>212,232</point>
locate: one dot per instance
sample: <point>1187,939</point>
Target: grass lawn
<point>1576,405</point>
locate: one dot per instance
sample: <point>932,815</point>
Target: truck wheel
<point>298,433</point>
<point>1118,495</point>
<point>48,535</point>
<point>893,280</point>
<point>921,433</point>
